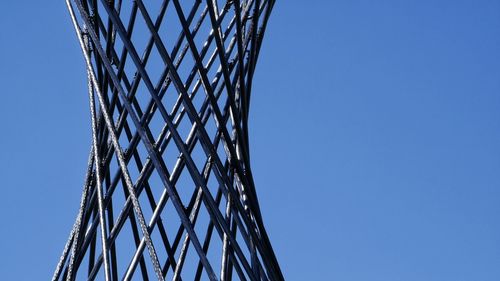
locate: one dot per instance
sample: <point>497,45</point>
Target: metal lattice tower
<point>169,192</point>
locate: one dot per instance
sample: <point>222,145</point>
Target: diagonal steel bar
<point>109,123</point>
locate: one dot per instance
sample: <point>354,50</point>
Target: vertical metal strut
<point>169,166</point>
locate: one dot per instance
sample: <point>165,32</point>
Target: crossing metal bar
<point>197,107</point>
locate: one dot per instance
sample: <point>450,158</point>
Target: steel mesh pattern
<point>168,192</point>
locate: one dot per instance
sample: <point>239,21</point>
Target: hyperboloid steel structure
<point>169,85</point>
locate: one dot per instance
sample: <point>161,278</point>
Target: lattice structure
<point>169,168</point>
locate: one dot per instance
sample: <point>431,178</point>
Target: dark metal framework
<point>169,169</point>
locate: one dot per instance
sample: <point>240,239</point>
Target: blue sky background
<point>375,138</point>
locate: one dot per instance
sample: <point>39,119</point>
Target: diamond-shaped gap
<point>109,177</point>
<point>126,245</point>
<point>141,35</point>
<point>222,151</point>
<point>153,9</point>
<point>222,187</point>
<point>185,186</point>
<point>169,96</point>
<point>143,97</point>
<point>125,88</point>
<point>124,9</point>
<point>170,28</point>
<point>186,68</point>
<point>178,113</point>
<point>120,197</point>
<point>187,7</point>
<point>184,126</point>
<point>112,168</point>
<point>123,138</point>
<point>156,125</point>
<point>143,198</point>
<point>200,157</point>
<point>190,262</point>
<point>221,93</point>
<point>156,184</point>
<point>197,94</point>
<point>129,69</point>
<point>118,45</point>
<point>114,107</point>
<point>170,154</point>
<point>211,128</point>
<point>213,183</point>
<point>138,158</point>
<point>196,25</point>
<point>178,51</point>
<point>207,95</point>
<point>205,235</point>
<point>155,65</point>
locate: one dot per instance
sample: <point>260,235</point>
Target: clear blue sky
<point>375,138</point>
